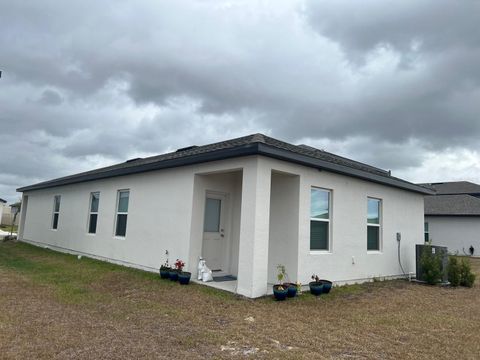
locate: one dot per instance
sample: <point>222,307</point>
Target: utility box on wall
<point>441,251</point>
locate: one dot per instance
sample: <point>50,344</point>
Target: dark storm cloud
<point>408,26</point>
<point>50,97</point>
<point>89,83</point>
<point>436,97</point>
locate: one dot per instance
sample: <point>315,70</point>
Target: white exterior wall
<point>166,212</point>
<point>254,229</point>
<point>402,211</point>
<point>457,233</point>
<point>159,216</point>
<point>231,184</point>
<point>283,244</point>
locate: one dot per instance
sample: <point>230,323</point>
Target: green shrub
<point>431,265</point>
<point>467,278</point>
<point>453,271</point>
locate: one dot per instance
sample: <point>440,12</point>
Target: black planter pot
<point>291,289</point>
<point>316,288</point>
<point>164,273</point>
<point>173,275</point>
<point>327,286</point>
<point>184,278</point>
<point>280,294</point>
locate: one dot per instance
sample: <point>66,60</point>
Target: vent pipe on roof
<point>132,160</point>
<point>187,148</point>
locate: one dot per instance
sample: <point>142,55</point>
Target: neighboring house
<point>452,216</point>
<point>3,204</point>
<point>245,205</point>
<point>7,216</point>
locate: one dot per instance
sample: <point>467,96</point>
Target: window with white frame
<point>426,234</point>
<point>122,213</point>
<point>56,211</point>
<point>93,213</point>
<point>374,222</point>
<point>320,219</point>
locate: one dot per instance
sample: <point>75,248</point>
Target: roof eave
<point>340,169</point>
<point>454,215</point>
<point>238,151</point>
<point>244,150</point>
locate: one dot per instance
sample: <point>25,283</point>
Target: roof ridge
<point>314,150</point>
<point>252,138</point>
<point>353,160</point>
<point>258,137</point>
<point>253,144</point>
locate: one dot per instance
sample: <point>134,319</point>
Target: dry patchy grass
<point>53,306</point>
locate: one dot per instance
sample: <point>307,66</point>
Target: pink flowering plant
<point>179,265</point>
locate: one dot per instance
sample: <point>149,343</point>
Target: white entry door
<point>214,235</point>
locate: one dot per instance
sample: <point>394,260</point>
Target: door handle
<point>222,235</point>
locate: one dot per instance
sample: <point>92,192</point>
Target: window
<point>93,214</point>
<point>122,211</point>
<point>373,224</point>
<point>319,219</point>
<point>56,211</point>
<point>426,233</point>
<point>212,215</point>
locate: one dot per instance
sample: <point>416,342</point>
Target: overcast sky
<point>392,83</point>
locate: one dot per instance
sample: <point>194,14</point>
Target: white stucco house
<point>452,216</point>
<point>245,205</point>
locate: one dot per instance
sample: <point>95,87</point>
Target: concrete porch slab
<point>230,286</point>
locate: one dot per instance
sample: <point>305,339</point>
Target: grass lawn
<point>54,306</point>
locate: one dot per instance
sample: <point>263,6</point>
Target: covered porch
<point>244,223</point>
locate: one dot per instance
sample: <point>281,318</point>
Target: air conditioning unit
<point>441,251</point>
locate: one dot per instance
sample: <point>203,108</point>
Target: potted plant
<point>280,291</point>
<point>183,276</point>
<point>165,270</point>
<point>316,286</point>
<point>176,270</point>
<point>299,287</point>
<point>291,287</point>
<point>327,286</point>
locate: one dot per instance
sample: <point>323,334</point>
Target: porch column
<point>254,229</point>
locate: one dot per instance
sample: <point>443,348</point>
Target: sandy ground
<point>56,307</point>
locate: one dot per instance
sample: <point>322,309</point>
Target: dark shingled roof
<point>452,205</point>
<point>256,144</point>
<point>3,201</point>
<point>454,187</point>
